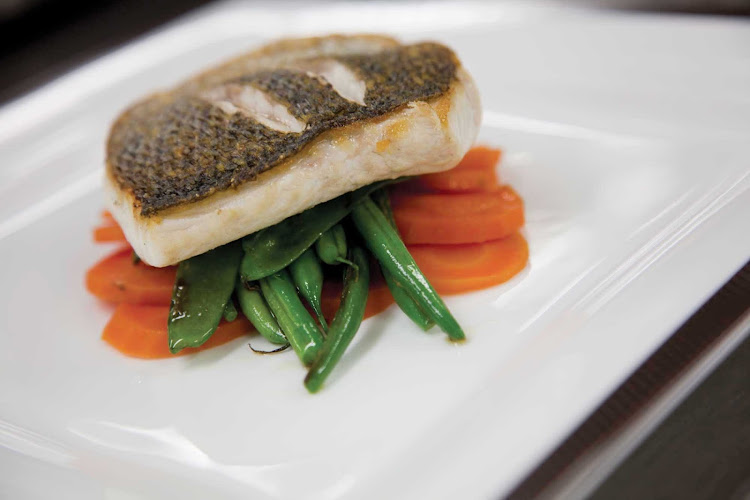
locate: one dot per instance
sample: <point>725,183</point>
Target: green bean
<point>384,242</point>
<point>398,291</point>
<point>406,302</point>
<point>296,323</point>
<point>383,201</point>
<point>307,274</point>
<point>202,289</point>
<point>255,309</point>
<point>331,246</point>
<point>230,312</point>
<point>346,322</point>
<point>275,247</point>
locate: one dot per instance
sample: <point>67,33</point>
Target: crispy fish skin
<point>281,53</point>
<point>177,149</point>
<point>184,175</point>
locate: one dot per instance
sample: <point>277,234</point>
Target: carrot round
<point>477,171</point>
<point>480,157</point>
<point>140,331</point>
<point>117,278</point>
<point>458,218</point>
<point>109,233</point>
<point>456,269</point>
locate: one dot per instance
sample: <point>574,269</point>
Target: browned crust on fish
<point>176,148</point>
<point>278,52</point>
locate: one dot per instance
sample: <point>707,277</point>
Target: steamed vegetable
<point>385,244</point>
<point>117,279</point>
<point>331,246</point>
<point>296,323</point>
<point>458,218</point>
<point>230,312</point>
<point>346,322</point>
<point>463,230</point>
<point>477,171</point>
<point>203,286</point>
<point>464,268</point>
<point>255,309</point>
<point>405,301</point>
<point>140,331</point>
<point>307,274</point>
<point>274,248</point>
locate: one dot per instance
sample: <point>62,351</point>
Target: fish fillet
<point>279,130</point>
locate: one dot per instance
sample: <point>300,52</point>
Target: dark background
<point>41,39</point>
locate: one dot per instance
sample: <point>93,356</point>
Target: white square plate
<point>627,136</point>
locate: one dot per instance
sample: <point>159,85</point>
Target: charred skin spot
<point>176,148</point>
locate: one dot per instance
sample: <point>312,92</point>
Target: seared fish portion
<point>282,129</point>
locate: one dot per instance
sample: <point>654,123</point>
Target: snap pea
<point>346,322</point>
<point>275,247</point>
<point>201,291</point>
<point>296,323</point>
<point>255,309</point>
<point>398,291</point>
<point>331,246</point>
<point>385,243</point>
<point>307,274</point>
<point>230,312</point>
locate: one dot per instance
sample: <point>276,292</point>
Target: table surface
<point>701,450</point>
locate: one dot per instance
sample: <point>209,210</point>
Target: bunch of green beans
<point>276,276</point>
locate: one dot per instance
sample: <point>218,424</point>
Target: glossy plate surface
<point>625,134</point>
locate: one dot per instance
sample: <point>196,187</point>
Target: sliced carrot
<point>481,157</point>
<point>117,278</point>
<point>461,180</point>
<point>378,298</point>
<point>108,217</point>
<point>457,218</point>
<point>456,269</point>
<point>140,331</point>
<point>477,171</point>
<point>109,233</point>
